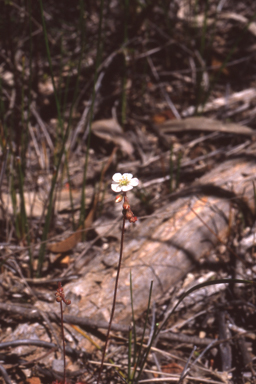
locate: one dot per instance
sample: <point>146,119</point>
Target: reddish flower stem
<point>62,335</point>
<point>114,299</point>
<point>60,297</point>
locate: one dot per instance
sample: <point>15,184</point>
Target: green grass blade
<point>133,324</point>
<point>97,63</point>
<point>145,356</point>
<point>129,355</point>
<point>51,69</point>
<point>23,215</point>
<point>171,168</point>
<point>178,170</point>
<point>202,285</point>
<point>138,363</point>
<point>50,208</point>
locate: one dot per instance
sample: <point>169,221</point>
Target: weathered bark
<point>166,246</point>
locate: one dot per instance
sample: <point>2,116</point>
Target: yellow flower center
<point>124,181</point>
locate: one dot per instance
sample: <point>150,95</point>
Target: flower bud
<point>133,219</point>
<point>119,198</point>
<point>128,214</point>
<point>126,206</point>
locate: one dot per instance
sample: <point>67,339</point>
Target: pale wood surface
<point>165,247</point>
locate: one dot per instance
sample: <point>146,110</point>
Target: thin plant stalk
<point>98,57</point>
<point>82,30</point>
<point>124,80</point>
<point>114,300</point>
<point>122,184</point>
<point>13,197</point>
<point>200,89</point>
<point>3,169</point>
<point>178,170</point>
<point>3,136</point>
<point>145,324</point>
<point>171,168</point>
<point>198,286</point>
<point>64,136</point>
<point>51,69</point>
<point>50,207</point>
<point>23,214</point>
<point>59,158</point>
<point>254,197</point>
<point>142,358</point>
<point>21,163</point>
<point>133,321</point>
<point>124,96</point>
<point>63,343</point>
<point>129,354</point>
<point>146,354</point>
<point>60,297</point>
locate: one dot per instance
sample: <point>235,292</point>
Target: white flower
<point>124,182</point>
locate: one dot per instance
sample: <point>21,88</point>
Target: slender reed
<point>100,42</point>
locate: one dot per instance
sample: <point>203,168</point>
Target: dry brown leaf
<point>33,380</point>
<point>204,124</point>
<point>173,368</point>
<point>216,64</point>
<point>69,243</point>
<point>110,130</point>
<point>163,116</point>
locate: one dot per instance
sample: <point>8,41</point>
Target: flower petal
<point>116,188</point>
<point>134,182</point>
<point>127,176</point>
<point>117,177</point>
<point>126,188</point>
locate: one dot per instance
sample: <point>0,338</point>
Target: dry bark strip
<point>165,247</point>
<point>204,124</point>
<point>199,20</point>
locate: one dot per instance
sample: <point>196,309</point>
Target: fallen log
<point>165,247</point>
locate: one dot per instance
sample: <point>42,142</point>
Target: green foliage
<point>137,353</point>
<point>174,178</point>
